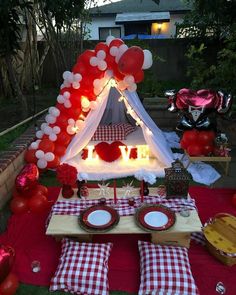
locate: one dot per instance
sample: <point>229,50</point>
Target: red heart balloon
<point>201,98</point>
<point>27,178</point>
<point>7,255</point>
<point>108,152</point>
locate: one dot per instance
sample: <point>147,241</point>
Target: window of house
<point>107,31</point>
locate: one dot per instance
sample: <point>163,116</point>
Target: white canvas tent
<point>100,170</point>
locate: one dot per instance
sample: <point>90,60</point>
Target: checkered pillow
<point>165,270</point>
<point>112,132</point>
<point>82,268</point>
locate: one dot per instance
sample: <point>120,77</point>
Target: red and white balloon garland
<point>79,94</point>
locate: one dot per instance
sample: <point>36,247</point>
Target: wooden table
<point>224,161</point>
<point>179,234</point>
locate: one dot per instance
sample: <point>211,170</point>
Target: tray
<point>155,217</point>
<point>99,218</point>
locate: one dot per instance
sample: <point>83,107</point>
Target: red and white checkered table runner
<point>74,207</point>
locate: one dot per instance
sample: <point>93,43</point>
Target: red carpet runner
<point>26,234</point>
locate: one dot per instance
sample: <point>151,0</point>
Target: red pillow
<point>165,270</point>
<point>82,268</point>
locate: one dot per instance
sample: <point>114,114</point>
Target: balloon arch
<point>110,63</point>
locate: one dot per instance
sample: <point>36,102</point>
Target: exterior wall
<point>168,28</point>
<point>99,22</point>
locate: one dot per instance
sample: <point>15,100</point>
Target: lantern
<point>177,181</point>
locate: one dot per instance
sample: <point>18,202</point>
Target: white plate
<point>156,219</point>
<point>99,217</point>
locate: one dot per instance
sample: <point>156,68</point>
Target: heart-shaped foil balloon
<point>27,178</point>
<point>7,255</point>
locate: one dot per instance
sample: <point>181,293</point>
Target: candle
<point>115,196</point>
<point>142,184</point>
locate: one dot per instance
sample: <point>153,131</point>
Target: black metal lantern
<point>177,180</point>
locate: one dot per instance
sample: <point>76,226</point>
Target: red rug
<point>26,234</point>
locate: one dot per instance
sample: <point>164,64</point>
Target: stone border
<point>12,161</point>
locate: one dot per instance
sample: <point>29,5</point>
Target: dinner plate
<point>155,217</point>
<point>99,217</point>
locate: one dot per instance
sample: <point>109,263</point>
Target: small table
<point>179,234</point>
<point>224,161</point>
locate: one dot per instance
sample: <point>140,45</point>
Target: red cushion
<point>82,268</point>
<point>165,270</point>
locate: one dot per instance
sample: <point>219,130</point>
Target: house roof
<point>141,6</point>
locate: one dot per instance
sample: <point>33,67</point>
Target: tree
<point>208,18</point>
<point>10,35</point>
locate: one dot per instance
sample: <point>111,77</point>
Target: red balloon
<point>234,200</point>
<point>19,205</point>
<point>190,136</point>
<point>41,189</point>
<point>30,156</point>
<point>101,46</point>
<point>10,285</point>
<point>7,255</point>
<point>205,138</point>
<point>55,163</point>
<point>38,203</point>
<point>207,150</point>
<point>116,42</point>
<point>62,120</point>
<point>85,56</point>
<point>183,144</point>
<point>194,150</point>
<point>139,76</point>
<point>59,150</point>
<point>46,145</point>
<point>63,138</point>
<point>110,60</point>
<point>131,61</point>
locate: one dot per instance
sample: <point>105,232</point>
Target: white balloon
<point>108,74</point>
<point>66,83</point>
<point>39,154</point>
<point>85,103</point>
<point>93,61</point>
<point>102,65</point>
<point>101,54</point>
<point>34,145</point>
<point>129,79</point>
<point>123,48</point>
<point>67,104</point>
<point>114,51</point>
<point>42,163</point>
<point>70,129</point>
<point>43,125</point>
<point>60,99</point>
<point>55,112</point>
<point>56,129</point>
<point>71,121</point>
<point>53,137</point>
<point>80,124</point>
<point>39,134</point>
<point>66,95</point>
<point>96,83</point>
<point>49,156</point>
<point>132,87</point>
<point>121,85</point>
<point>77,77</point>
<point>76,85</point>
<point>48,130</point>
<point>147,63</point>
<point>66,74</point>
<point>109,39</point>
<point>50,119</point>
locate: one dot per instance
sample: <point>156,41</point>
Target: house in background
<point>143,19</point>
